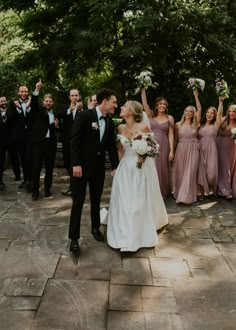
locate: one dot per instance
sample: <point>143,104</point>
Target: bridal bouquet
<point>222,88</point>
<point>145,80</point>
<point>233,132</point>
<point>145,145</point>
<point>196,83</point>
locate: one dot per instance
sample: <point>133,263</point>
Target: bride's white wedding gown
<point>136,208</point>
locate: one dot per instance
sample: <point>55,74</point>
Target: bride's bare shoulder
<point>121,128</point>
<point>144,128</point>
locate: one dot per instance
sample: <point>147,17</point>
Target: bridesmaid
<point>162,126</point>
<point>226,147</point>
<point>208,163</point>
<point>186,161</point>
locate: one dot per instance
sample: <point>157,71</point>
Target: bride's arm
<point>120,150</point>
<point>119,145</point>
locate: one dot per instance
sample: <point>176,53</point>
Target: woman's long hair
<point>204,120</point>
<point>194,118</point>
<point>156,102</point>
<point>226,120</point>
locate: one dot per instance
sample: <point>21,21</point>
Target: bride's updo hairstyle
<point>136,109</point>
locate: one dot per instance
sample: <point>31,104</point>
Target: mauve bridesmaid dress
<point>184,179</point>
<point>226,148</point>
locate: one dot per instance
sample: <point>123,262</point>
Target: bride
<point>136,208</point>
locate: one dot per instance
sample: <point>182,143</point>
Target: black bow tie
<point>103,117</point>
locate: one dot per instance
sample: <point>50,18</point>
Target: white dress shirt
<point>101,123</point>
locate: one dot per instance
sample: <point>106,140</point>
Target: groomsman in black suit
<point>6,143</point>
<point>4,137</point>
<point>92,134</point>
<point>66,115</point>
<point>18,112</point>
<point>43,140</point>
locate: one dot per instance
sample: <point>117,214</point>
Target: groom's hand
<point>113,172</point>
<point>77,171</point>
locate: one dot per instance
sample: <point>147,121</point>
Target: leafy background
<point>96,43</point>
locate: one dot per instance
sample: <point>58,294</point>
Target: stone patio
<point>188,281</point>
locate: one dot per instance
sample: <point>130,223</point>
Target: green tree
<point>97,43</point>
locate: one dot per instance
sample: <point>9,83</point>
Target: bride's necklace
<point>131,131</point>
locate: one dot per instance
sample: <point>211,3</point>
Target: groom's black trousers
<point>79,185</point>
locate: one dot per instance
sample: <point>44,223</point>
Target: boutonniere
<point>95,125</point>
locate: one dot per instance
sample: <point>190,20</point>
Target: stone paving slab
<point>186,282</point>
<point>17,320</point>
<point>200,296</point>
<point>165,321</point>
<point>69,268</point>
<point>78,305</point>
<point>187,248</point>
<point>125,298</point>
<point>169,268</point>
<point>21,261</point>
<point>125,320</point>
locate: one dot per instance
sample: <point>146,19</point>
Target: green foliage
<point>94,43</point>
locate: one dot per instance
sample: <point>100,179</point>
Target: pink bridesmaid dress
<point>184,179</point>
<point>161,131</point>
<point>208,163</point>
<point>226,147</point>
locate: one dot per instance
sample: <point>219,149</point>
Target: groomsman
<point>4,137</point>
<point>5,140</point>
<point>67,114</point>
<point>92,101</point>
<point>18,113</point>
<point>92,134</point>
<point>43,140</point>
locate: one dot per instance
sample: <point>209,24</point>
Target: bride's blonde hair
<point>136,109</point>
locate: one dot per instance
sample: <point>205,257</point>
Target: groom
<point>92,134</point>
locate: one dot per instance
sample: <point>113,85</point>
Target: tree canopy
<point>96,43</point>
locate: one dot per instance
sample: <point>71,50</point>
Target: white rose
<point>233,130</point>
<point>140,147</point>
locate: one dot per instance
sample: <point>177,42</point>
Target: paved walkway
<point>187,282</point>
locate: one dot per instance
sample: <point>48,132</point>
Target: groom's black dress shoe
<point>97,234</point>
<point>74,246</point>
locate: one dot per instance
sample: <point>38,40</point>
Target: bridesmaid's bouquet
<point>196,83</point>
<point>145,80</point>
<point>233,132</point>
<point>222,88</point>
<point>145,145</point>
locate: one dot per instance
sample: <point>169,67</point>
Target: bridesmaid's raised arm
<point>146,107</point>
<point>219,112</point>
<point>198,106</point>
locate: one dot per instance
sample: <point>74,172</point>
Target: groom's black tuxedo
<point>88,152</point>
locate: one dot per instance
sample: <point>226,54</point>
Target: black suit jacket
<point>38,123</point>
<point>66,124</point>
<point>86,149</point>
<point>4,131</point>
<point>18,123</point>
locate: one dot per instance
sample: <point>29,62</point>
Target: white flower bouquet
<point>196,83</point>
<point>145,80</point>
<point>233,132</point>
<point>145,145</point>
<point>222,88</point>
